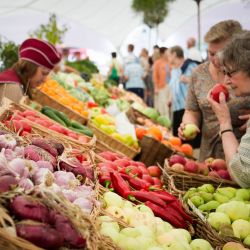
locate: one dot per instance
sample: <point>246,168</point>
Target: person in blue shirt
<point>133,75</point>
<point>181,71</point>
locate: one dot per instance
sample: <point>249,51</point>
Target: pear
<point>247,240</point>
<point>227,191</point>
<point>207,188</point>
<point>217,219</point>
<point>241,228</point>
<point>233,246</point>
<point>243,194</point>
<point>206,196</point>
<point>200,244</point>
<point>197,200</point>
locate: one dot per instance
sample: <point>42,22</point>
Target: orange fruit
<point>175,141</point>
<point>155,132</point>
<point>140,132</point>
<point>177,148</point>
<point>187,149</point>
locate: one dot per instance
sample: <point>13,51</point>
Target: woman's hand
<point>180,131</point>
<point>221,111</point>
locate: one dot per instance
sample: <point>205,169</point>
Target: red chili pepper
<point>164,197</point>
<point>168,215</point>
<point>92,105</point>
<point>146,196</point>
<point>120,185</point>
<point>165,193</point>
<point>178,207</point>
<point>105,180</point>
<point>136,183</point>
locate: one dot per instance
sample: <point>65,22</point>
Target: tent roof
<point>105,24</point>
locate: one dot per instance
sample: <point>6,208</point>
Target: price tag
<point>196,210</point>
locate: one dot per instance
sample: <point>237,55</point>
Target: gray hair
<point>236,54</point>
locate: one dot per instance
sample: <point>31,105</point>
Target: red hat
<point>39,52</point>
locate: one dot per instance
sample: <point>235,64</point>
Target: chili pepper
<point>168,215</point>
<point>178,207</point>
<point>164,197</point>
<point>105,180</point>
<point>120,185</point>
<point>165,193</point>
<point>146,196</point>
<point>136,183</point>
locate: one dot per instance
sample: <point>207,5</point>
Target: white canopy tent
<point>107,25</point>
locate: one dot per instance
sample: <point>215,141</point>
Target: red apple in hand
<point>217,89</point>
<point>154,171</point>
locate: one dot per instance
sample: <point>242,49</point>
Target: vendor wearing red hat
<point>36,59</point>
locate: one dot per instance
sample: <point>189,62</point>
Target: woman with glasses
<point>236,61</point>
<point>198,110</point>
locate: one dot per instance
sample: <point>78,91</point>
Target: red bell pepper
<point>135,182</point>
<point>120,185</point>
<point>168,215</point>
<point>146,196</point>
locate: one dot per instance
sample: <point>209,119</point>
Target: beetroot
<point>41,235</point>
<point>25,208</point>
<point>64,228</point>
<point>44,144</point>
<point>7,182</point>
<point>77,168</point>
<point>35,153</point>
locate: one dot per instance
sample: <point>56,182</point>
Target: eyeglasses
<point>229,73</point>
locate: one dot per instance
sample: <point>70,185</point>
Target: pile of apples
<point>216,168</point>
<point>228,209</point>
<point>145,231</point>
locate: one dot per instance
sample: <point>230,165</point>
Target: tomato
<point>154,171</point>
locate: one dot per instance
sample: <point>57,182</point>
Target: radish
<point>41,235</point>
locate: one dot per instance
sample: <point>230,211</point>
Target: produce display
<point>226,208</point>
<point>144,230</point>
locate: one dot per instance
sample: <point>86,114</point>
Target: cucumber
<point>45,108</point>
<point>63,117</point>
<point>76,124</point>
<point>53,116</point>
<point>85,131</point>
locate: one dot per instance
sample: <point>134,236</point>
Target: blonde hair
<point>25,71</point>
<point>222,31</point>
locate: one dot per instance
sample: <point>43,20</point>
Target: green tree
<point>8,54</point>
<point>154,11</point>
<point>50,31</point>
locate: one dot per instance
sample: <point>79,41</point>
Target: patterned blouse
<point>202,82</point>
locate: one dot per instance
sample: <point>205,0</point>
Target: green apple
<point>190,131</point>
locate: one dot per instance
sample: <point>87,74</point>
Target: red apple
<point>213,174</point>
<point>177,167</point>
<point>148,178</point>
<point>224,174</point>
<point>191,167</point>
<point>177,159</point>
<point>218,164</point>
<point>203,168</point>
<point>217,89</point>
<point>154,171</point>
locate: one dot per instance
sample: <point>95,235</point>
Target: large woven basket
<point>205,231</point>
<point>83,223</point>
<point>181,181</point>
<point>7,110</point>
<point>112,143</point>
<point>46,100</point>
<point>153,151</point>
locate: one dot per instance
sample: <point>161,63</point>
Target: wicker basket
<point>26,103</point>
<point>205,231</point>
<point>153,151</point>
<point>83,223</point>
<point>7,111</point>
<point>46,100</point>
<point>181,181</point>
<point>112,143</point>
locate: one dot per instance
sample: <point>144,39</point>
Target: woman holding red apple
<point>198,111</point>
<point>236,61</point>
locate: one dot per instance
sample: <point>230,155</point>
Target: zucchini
<point>63,117</point>
<point>53,116</point>
<point>77,125</point>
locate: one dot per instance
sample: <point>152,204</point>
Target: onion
<point>26,183</point>
<point>43,176</point>
<point>3,161</point>
<point>70,194</point>
<point>18,167</point>
<point>84,191</point>
<point>85,204</point>
<point>7,141</point>
<point>10,154</point>
<point>65,179</point>
<point>7,182</point>
<point>45,164</point>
